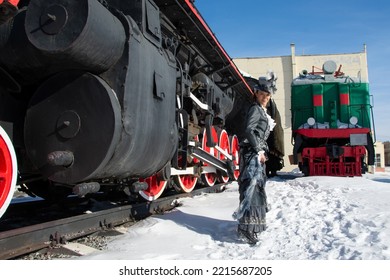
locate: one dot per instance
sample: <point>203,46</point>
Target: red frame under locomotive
<point>332,160</point>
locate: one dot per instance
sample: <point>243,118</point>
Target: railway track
<point>19,241</point>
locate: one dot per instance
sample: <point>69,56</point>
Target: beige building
<point>288,67</point>
<point>387,153</point>
<point>379,157</point>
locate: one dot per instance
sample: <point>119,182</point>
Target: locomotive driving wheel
<point>225,145</point>
<point>209,178</point>
<point>155,188</point>
<point>8,171</point>
<point>186,183</point>
<point>234,148</point>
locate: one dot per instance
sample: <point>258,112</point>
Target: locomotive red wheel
<point>155,189</point>
<point>224,145</point>
<point>185,183</point>
<point>8,171</point>
<point>234,148</point>
<point>209,178</point>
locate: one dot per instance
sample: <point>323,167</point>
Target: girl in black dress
<point>252,210</point>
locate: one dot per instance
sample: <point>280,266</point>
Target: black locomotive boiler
<point>128,96</point>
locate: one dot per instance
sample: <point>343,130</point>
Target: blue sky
<point>257,28</point>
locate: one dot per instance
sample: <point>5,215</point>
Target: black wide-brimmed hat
<point>262,87</point>
<point>267,83</point>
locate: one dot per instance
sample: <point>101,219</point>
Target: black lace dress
<point>251,213</point>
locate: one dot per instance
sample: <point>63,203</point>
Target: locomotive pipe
<point>86,188</point>
<point>138,186</point>
<point>60,158</point>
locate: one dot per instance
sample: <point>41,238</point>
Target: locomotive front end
<point>332,123</point>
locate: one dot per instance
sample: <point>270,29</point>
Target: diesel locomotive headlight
<point>311,121</point>
<point>353,120</point>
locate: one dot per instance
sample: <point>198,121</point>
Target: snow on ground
<point>311,218</point>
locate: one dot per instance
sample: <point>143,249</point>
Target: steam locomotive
<point>332,123</point>
<point>114,96</point>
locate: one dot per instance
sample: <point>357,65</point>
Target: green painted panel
<point>340,101</point>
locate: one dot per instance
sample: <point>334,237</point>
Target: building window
<point>377,160</point>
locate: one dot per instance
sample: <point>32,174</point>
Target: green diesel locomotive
<point>332,123</point>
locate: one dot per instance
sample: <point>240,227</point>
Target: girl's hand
<point>262,157</point>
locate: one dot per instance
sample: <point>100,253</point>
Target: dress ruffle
<point>251,213</point>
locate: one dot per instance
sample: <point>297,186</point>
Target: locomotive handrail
<point>200,104</point>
